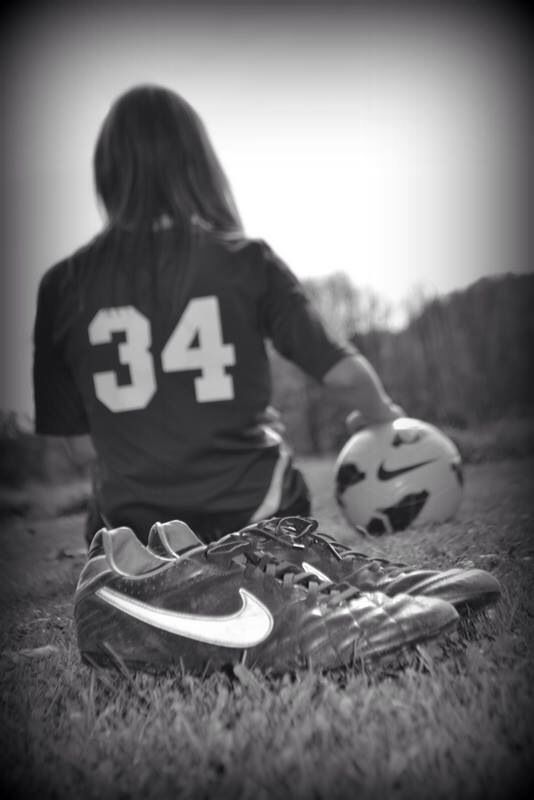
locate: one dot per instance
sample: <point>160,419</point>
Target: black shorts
<point>208,527</point>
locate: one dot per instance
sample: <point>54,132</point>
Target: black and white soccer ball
<point>398,474</point>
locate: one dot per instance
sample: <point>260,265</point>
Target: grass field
<point>452,719</point>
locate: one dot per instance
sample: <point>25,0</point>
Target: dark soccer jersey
<point>159,353</point>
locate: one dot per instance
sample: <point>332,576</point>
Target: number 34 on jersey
<point>196,343</point>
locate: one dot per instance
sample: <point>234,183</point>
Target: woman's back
<point>166,347</point>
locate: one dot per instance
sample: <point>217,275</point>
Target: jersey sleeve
<point>59,410</point>
<point>292,323</point>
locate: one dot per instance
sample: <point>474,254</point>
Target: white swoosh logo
<point>248,626</point>
<point>314,571</point>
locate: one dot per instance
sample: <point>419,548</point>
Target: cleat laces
<point>300,527</point>
<point>238,550</point>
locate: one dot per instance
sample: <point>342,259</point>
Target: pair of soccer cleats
<point>277,595</point>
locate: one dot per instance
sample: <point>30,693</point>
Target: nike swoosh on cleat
<point>247,627</point>
<point>387,474</point>
<point>314,571</point>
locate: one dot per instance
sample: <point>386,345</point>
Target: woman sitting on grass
<point>150,339</point>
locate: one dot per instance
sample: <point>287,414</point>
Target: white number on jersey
<point>201,320</point>
<point>195,343</point>
<point>134,353</point>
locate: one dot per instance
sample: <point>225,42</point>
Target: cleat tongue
<point>175,537</point>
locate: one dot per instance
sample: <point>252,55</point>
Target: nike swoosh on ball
<point>387,474</point>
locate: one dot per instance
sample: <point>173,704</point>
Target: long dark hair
<point>155,167</point>
<point>153,160</point>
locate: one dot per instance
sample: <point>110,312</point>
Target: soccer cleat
<point>178,602</point>
<point>296,539</point>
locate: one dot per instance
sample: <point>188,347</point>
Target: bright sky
<point>385,148</point>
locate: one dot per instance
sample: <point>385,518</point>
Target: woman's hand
<point>354,379</point>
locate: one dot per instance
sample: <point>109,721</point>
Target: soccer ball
<point>397,474</point>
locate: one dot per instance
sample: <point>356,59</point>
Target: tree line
<point>460,360</point>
